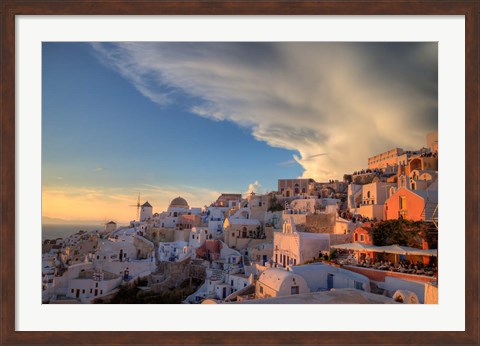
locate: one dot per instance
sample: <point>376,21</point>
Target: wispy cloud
<point>287,163</point>
<point>350,100</point>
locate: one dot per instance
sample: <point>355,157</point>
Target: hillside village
<point>369,238</point>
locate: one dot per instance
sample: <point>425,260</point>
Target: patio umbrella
<point>430,252</point>
<point>404,250</point>
<point>394,249</point>
<point>353,246</point>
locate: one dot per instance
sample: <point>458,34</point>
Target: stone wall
<point>144,247</point>
<point>156,234</point>
<point>175,273</point>
<point>320,223</point>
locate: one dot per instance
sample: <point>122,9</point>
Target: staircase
<point>430,212</point>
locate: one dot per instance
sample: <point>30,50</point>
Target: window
<point>91,290</point>
<point>356,237</point>
<point>294,290</point>
<point>362,237</point>
<point>261,289</point>
<point>83,291</point>
<point>72,290</point>
<point>193,236</point>
<point>358,285</point>
<point>96,284</point>
<point>101,291</point>
<point>403,202</point>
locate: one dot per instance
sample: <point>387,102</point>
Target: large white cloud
<point>346,101</point>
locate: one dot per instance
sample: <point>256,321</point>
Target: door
<point>78,294</point>
<point>224,293</point>
<point>330,281</point>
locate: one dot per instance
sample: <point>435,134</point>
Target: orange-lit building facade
<point>388,158</point>
<point>362,234</point>
<point>406,204</point>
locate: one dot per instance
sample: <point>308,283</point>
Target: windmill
<point>137,206</point>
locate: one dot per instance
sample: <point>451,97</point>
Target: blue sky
<point>199,119</point>
<point>99,132</point>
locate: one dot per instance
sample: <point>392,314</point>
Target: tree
<point>401,232</point>
<point>383,231</point>
<point>275,205</point>
<point>347,178</point>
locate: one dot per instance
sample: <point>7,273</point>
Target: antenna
<point>137,206</point>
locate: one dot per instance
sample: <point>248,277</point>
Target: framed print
<point>130,119</point>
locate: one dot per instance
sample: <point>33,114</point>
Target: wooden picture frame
<point>11,8</point>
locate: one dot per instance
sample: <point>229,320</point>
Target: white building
<point>324,277</point>
<point>276,282</point>
<point>239,233</point>
<point>120,249</point>
<point>173,251</point>
<point>224,277</point>
<point>374,196</point>
<point>214,219</point>
<point>293,248</point>
<point>92,284</point>
<point>198,235</point>
<point>178,206</point>
<point>110,227</point>
<point>146,212</point>
<point>354,197</point>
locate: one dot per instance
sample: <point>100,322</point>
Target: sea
<point>63,231</point>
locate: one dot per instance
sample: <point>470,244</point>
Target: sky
<point>197,119</point>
